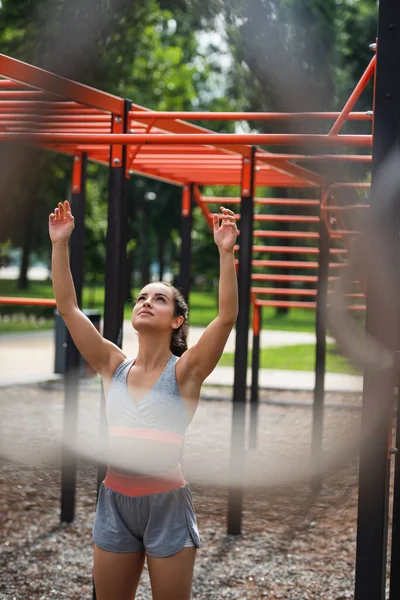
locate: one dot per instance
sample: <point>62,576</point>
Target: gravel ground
<point>295,545</point>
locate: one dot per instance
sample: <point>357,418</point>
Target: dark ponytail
<point>179,336</point>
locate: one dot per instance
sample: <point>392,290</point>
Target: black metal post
<point>320,355</point>
<point>186,240</point>
<point>115,261</point>
<point>255,371</point>
<point>381,323</point>
<point>115,277</point>
<point>395,550</point>
<point>235,499</point>
<point>72,355</point>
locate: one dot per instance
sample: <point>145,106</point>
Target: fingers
<point>228,217</point>
<point>62,211</point>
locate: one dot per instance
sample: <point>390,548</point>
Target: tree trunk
<point>26,253</point>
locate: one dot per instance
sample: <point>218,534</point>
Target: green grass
<point>297,358</point>
<point>23,327</point>
<point>203,306</point>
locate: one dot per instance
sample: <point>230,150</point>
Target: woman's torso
<point>147,404</point>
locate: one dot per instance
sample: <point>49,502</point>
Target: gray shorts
<point>158,524</point>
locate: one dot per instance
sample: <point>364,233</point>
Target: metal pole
<point>320,355</point>
<point>186,240</point>
<point>115,264</point>
<point>395,551</point>
<point>381,323</point>
<point>255,370</point>
<point>72,355</point>
<point>115,260</point>
<point>235,498</point>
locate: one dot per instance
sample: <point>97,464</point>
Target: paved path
<point>29,357</point>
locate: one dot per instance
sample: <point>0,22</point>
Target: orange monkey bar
<point>26,301</point>
<point>38,107</point>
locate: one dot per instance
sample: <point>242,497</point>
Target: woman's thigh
<point>171,577</point>
<point>116,574</point>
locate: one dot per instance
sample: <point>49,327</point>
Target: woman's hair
<point>179,336</point>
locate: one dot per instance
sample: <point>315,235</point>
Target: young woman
<point>145,507</point>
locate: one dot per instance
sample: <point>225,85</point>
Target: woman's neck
<point>154,351</point>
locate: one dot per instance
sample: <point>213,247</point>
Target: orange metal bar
<point>367,158</point>
<point>32,126</point>
<point>330,208</point>
<point>284,291</point>
<point>247,116</point>
<point>186,201</point>
<point>285,234</point>
<point>6,84</point>
<point>286,304</point>
<point>26,301</point>
<point>348,184</point>
<point>28,95</point>
<point>218,139</point>
<point>287,218</point>
<point>262,201</point>
<point>47,117</point>
<point>49,108</point>
<point>298,264</point>
<point>294,249</point>
<point>116,151</point>
<point>360,87</point>
<point>77,174</point>
<point>246,177</point>
<point>289,304</point>
<point>256,320</point>
<point>202,206</point>
<point>54,84</point>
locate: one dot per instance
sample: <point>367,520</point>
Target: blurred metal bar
<point>255,371</point>
<point>382,322</point>
<point>72,355</point>
<point>320,356</point>
<point>186,240</point>
<point>235,497</point>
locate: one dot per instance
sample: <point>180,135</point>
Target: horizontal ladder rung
<point>304,278</point>
<point>262,201</point>
<point>293,249</point>
<point>348,207</point>
<point>298,264</point>
<point>285,234</point>
<point>294,304</point>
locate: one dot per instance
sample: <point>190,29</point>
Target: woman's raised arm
<point>200,360</point>
<point>101,354</point>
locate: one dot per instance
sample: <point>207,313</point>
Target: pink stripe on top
<point>170,437</point>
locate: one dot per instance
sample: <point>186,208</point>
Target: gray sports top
<point>160,414</point>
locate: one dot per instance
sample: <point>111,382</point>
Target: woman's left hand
<point>225,234</point>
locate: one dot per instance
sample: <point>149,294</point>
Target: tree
<point>139,50</point>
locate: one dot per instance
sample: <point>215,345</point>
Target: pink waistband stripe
<point>143,485</point>
<point>170,437</point>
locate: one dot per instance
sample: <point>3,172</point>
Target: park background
<point>175,55</point>
<point>217,55</point>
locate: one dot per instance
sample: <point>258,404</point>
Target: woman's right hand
<point>61,223</point>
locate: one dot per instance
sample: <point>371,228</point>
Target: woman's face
<point>154,309</point>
